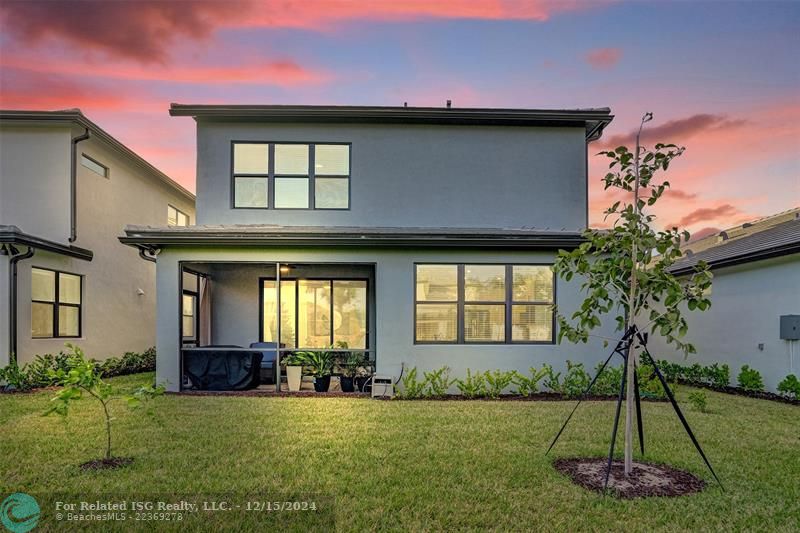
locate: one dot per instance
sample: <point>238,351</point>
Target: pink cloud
<point>706,214</point>
<point>677,131</point>
<point>603,58</point>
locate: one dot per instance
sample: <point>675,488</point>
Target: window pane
<point>188,305</point>
<point>350,313</point>
<point>69,289</point>
<point>288,312</point>
<point>190,282</point>
<point>291,192</point>
<point>291,159</point>
<point>437,283</point>
<point>68,321</point>
<point>484,323</point>
<point>533,283</point>
<point>250,158</point>
<point>172,216</point>
<point>314,315</point>
<point>437,322</point>
<point>331,193</point>
<point>532,323</point>
<point>183,220</point>
<point>43,285</point>
<point>95,167</point>
<point>188,327</point>
<point>484,283</point>
<point>41,320</point>
<point>332,160</point>
<point>251,192</point>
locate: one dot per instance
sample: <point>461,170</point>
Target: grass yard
<point>407,466</point>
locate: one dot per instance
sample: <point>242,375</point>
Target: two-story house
<point>424,236</point>
<point>67,189</point>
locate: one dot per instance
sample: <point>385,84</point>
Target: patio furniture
<point>270,353</point>
<point>222,368</point>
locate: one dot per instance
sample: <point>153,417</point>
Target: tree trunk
<point>108,431</point>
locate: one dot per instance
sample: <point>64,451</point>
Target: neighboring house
<point>423,236</point>
<point>67,188</point>
<point>756,269</point>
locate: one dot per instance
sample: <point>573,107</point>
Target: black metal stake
<point>616,415</point>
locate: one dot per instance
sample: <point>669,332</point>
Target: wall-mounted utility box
<point>790,327</point>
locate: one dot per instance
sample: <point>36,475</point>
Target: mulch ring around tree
<point>107,464</point>
<point>646,479</point>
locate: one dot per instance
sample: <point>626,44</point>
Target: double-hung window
<point>480,303</point>
<point>291,175</point>
<point>176,217</point>
<point>56,299</point>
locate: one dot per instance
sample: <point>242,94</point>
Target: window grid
<point>271,176</point>
<point>508,305</point>
<point>56,304</point>
<point>176,217</point>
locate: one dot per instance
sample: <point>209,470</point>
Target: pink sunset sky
<point>722,78</point>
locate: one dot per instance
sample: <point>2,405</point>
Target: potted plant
<point>294,371</point>
<point>320,365</point>
<point>349,363</point>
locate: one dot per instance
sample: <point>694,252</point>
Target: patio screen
<point>316,313</point>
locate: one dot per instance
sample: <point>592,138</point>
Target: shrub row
<point>718,376</point>
<point>493,383</point>
<point>36,374</point>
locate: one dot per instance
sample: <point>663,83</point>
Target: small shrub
<point>694,374</point>
<point>576,380</point>
<point>412,387</point>
<point>15,378</point>
<point>528,386</point>
<point>698,400</point>
<point>750,379</point>
<point>649,384</point>
<point>609,380</point>
<point>718,375</point>
<point>672,371</point>
<point>438,381</point>
<point>130,363</point>
<point>790,387</point>
<point>551,380</point>
<point>496,382</point>
<point>473,386</point>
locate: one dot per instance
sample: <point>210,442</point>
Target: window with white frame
<point>484,304</point>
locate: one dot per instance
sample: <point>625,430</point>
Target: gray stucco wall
<point>394,299</point>
<point>746,301</point>
<point>407,175</point>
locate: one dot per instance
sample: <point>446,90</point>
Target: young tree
<point>625,268</point>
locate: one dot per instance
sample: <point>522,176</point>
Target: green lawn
<point>413,465</point>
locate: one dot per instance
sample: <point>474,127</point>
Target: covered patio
<point>232,315</point>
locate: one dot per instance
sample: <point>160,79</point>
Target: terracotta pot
<point>294,375</point>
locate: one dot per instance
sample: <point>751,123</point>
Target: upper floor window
<point>94,166</point>
<point>291,175</point>
<point>457,304</point>
<point>56,299</point>
<point>176,217</point>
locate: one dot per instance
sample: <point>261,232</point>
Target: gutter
<point>779,251</point>
<point>12,235</point>
<point>73,186</point>
<point>15,258</point>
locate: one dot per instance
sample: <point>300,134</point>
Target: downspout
<point>12,298</point>
<point>73,186</point>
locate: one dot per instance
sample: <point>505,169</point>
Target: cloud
<point>678,194</point>
<point>603,58</point>
<point>144,30</point>
<point>706,214</point>
<point>677,131</point>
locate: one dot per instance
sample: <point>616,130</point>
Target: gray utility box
<point>790,327</point>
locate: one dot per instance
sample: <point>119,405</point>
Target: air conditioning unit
<point>382,386</point>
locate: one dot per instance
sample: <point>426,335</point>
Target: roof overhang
<point>152,238</point>
<point>74,116</point>
<point>14,236</point>
<point>592,120</point>
<point>758,255</point>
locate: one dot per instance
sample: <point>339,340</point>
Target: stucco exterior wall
<point>34,179</point>
<point>394,300</point>
<point>746,303</point>
<point>424,176</point>
<point>116,317</point>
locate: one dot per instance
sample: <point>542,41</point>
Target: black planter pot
<point>322,384</point>
<point>347,384</point>
<point>360,381</point>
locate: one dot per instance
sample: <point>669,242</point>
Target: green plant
<point>694,374</point>
<point>750,379</point>
<point>528,386</point>
<point>473,386</point>
<point>83,377</point>
<point>575,381</point>
<point>649,385</point>
<point>497,381</point>
<point>438,381</point>
<point>673,372</point>
<point>318,363</point>
<point>698,400</point>
<point>412,387</point>
<point>129,363</point>
<point>349,363</point>
<point>608,381</point>
<point>16,378</point>
<point>717,375</point>
<point>291,359</point>
<point>790,387</point>
<point>551,380</point>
